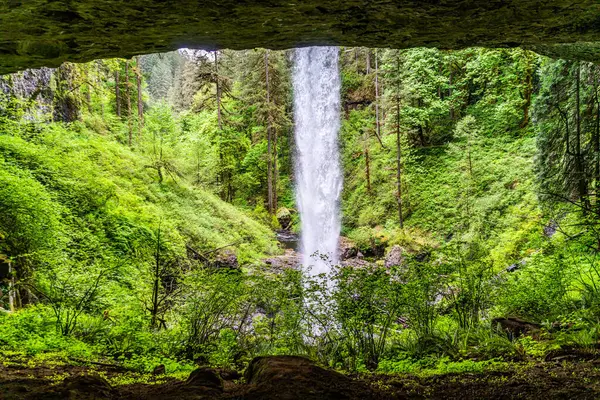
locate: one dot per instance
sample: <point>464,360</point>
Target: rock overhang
<point>37,33</point>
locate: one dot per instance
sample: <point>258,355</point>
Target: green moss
<point>45,33</point>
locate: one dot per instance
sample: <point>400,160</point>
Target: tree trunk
<point>421,136</point>
<point>275,171</point>
<point>581,183</point>
<point>140,102</point>
<point>597,146</point>
<point>439,86</point>
<point>398,150</point>
<point>450,95</point>
<point>218,88</point>
<point>22,294</point>
<point>11,289</point>
<point>118,92</point>
<point>469,156</point>
<point>377,124</point>
<point>367,161</point>
<point>198,180</point>
<point>368,68</point>
<point>222,173</point>
<point>88,97</point>
<point>128,95</point>
<point>528,91</point>
<point>155,286</point>
<point>269,145</point>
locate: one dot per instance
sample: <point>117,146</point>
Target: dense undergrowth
<point>90,212</point>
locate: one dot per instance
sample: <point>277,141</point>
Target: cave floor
<point>21,378</point>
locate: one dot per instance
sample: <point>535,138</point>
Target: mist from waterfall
<point>316,81</point>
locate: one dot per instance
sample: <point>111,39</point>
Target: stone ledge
<point>38,33</point>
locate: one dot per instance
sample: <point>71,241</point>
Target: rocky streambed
<point>348,252</point>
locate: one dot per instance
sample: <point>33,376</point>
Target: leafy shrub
<point>537,291</point>
<point>33,331</point>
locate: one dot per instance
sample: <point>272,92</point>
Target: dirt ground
<point>294,378</point>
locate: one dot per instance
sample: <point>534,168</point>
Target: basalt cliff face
<point>37,33</point>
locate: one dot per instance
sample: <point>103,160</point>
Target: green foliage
<point>79,218</point>
<point>469,293</point>
<point>566,115</point>
<point>32,331</point>
<point>214,310</point>
<point>438,367</point>
<point>112,245</point>
<point>540,289</point>
<point>368,304</point>
<point>29,217</point>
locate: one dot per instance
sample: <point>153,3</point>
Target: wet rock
<point>423,256</point>
<point>293,377</point>
<point>290,259</point>
<point>226,259</point>
<point>573,353</point>
<point>284,217</point>
<point>288,239</point>
<point>205,377</point>
<point>561,326</point>
<point>394,257</point>
<point>201,360</point>
<point>346,248</point>
<point>515,327</point>
<point>202,384</point>
<point>87,387</point>
<point>550,229</point>
<point>46,33</point>
<point>229,374</point>
<point>357,263</point>
<point>448,293</point>
<point>516,266</point>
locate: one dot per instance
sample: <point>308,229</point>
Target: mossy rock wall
<point>37,33</point>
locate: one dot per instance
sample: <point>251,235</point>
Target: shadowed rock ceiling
<point>36,33</point>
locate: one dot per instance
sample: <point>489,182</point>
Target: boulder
<point>287,239</point>
<point>357,263</point>
<point>298,378</point>
<point>394,257</point>
<point>159,370</point>
<point>229,374</point>
<point>205,377</point>
<point>551,228</point>
<point>516,266</point>
<point>87,387</point>
<point>226,259</point>
<point>284,217</point>
<point>422,256</point>
<point>202,384</point>
<point>515,327</point>
<point>290,259</point>
<point>347,248</point>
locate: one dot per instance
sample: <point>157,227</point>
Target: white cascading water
<point>318,173</point>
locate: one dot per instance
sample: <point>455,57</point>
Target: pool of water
<point>289,240</point>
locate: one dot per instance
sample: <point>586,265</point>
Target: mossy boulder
<point>293,377</point>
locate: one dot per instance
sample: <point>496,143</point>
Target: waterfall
<point>316,81</point>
